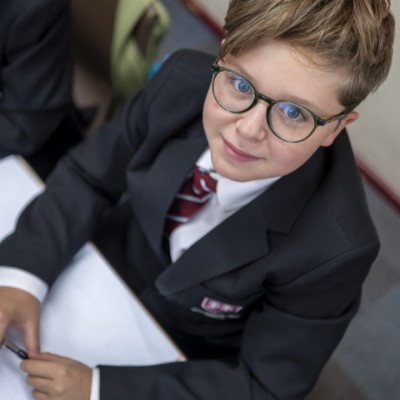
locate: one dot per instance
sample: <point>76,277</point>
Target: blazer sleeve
<point>285,343</point>
<point>82,188</point>
<point>79,191</point>
<point>36,75</point>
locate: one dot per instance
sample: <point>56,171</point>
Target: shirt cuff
<point>20,279</point>
<point>95,390</point>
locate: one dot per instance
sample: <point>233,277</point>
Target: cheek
<point>213,115</point>
<point>288,157</point>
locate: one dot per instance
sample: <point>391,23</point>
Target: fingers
<point>2,333</point>
<point>5,318</point>
<point>50,357</point>
<point>29,324</point>
<point>45,365</point>
<point>39,378</point>
<point>41,381</point>
<point>38,369</point>
<point>22,310</point>
<point>40,395</point>
<point>57,377</point>
<point>30,333</point>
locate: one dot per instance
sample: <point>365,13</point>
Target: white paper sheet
<point>18,187</point>
<point>89,314</point>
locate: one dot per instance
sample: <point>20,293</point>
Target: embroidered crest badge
<point>217,309</point>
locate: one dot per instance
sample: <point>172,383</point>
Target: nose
<point>252,124</point>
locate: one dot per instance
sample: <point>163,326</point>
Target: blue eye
<point>242,85</point>
<point>292,111</point>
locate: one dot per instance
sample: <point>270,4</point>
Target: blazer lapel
<point>154,189</point>
<point>223,249</point>
<point>243,237</point>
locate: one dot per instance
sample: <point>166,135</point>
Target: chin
<point>232,174</point>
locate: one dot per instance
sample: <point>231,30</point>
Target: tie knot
<point>203,182</point>
<point>193,195</point>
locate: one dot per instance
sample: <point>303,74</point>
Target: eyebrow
<point>292,98</point>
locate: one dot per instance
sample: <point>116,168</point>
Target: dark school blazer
<point>35,72</point>
<point>258,304</point>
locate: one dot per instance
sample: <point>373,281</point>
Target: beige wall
<point>376,135</point>
<point>215,8</point>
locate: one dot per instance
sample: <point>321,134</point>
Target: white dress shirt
<point>230,196</point>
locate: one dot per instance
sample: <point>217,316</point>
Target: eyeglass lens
<point>287,120</point>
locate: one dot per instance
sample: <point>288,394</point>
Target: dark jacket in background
<point>36,68</point>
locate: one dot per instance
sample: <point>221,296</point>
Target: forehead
<point>283,72</point>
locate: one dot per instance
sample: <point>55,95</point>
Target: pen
<point>22,354</point>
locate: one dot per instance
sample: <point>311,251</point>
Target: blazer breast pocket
<point>201,301</point>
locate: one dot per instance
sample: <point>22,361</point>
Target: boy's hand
<point>53,377</point>
<point>20,309</point>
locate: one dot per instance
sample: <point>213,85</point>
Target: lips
<point>239,155</point>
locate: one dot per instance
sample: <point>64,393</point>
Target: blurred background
<point>365,366</point>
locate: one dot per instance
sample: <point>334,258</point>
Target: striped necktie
<point>193,195</point>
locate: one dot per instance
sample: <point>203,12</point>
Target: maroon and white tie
<point>193,195</point>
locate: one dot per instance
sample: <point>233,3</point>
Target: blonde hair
<point>355,34</point>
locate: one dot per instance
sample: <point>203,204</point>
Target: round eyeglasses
<point>288,121</point>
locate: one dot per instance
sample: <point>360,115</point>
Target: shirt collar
<point>232,194</point>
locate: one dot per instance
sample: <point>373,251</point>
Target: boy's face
<point>243,148</point>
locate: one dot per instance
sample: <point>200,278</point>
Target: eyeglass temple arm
<point>322,122</point>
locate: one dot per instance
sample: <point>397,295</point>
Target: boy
<point>259,286</point>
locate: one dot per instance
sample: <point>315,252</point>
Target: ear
<point>347,120</point>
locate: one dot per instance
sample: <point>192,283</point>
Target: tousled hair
<point>356,35</point>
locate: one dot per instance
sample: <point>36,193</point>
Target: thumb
<point>50,357</point>
<point>30,332</point>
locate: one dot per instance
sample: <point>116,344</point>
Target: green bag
<point>105,37</point>
<point>129,66</point>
